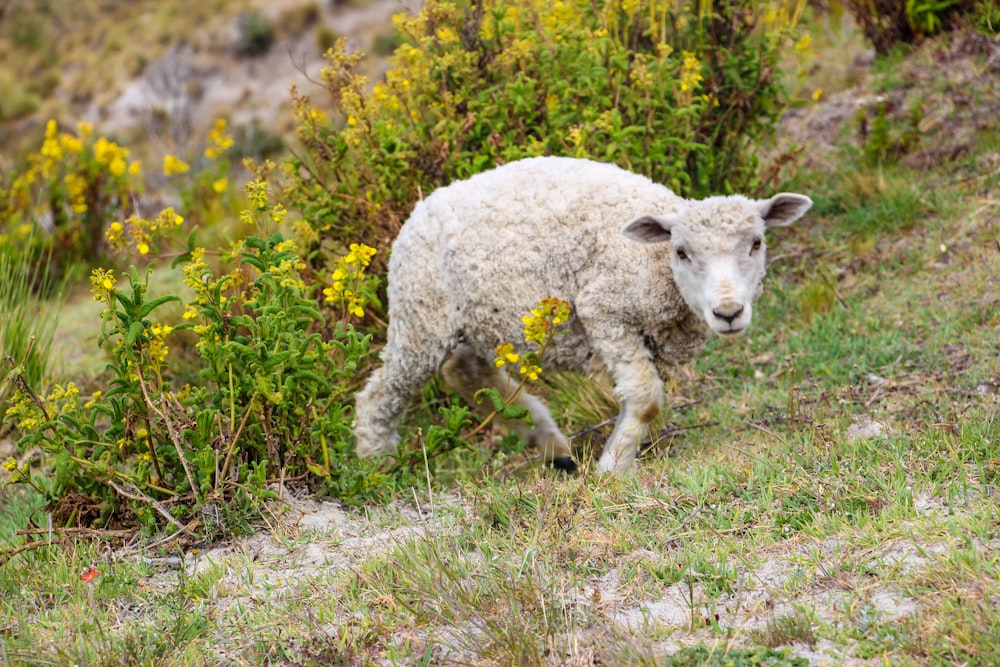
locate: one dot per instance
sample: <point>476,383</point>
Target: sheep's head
<point>717,252</point>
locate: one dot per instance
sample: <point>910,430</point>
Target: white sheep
<point>647,273</point>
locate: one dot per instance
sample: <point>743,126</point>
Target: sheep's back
<point>503,240</point>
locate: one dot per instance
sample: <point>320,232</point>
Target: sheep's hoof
<point>565,463</point>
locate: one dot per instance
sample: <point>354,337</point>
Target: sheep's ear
<point>783,209</point>
<point>650,228</point>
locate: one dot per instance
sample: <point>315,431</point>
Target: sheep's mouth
<point>728,333</point>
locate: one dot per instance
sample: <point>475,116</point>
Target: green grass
<point>29,307</point>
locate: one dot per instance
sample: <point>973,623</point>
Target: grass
<point>29,306</point>
<point>823,490</point>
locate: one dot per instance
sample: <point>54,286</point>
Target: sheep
<point>648,275</point>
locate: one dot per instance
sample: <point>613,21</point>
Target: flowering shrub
<point>79,191</point>
<point>71,187</point>
<point>202,195</point>
<point>271,401</point>
<point>677,91</point>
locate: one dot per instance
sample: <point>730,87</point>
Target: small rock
<point>865,429</point>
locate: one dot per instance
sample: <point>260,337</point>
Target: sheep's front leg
<point>640,390</point>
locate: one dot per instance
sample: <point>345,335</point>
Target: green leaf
<point>514,412</point>
<point>493,394</point>
<point>133,333</point>
<point>150,306</point>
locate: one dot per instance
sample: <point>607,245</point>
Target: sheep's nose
<point>728,313</point>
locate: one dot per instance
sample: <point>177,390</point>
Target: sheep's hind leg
<point>467,373</point>
<point>379,407</point>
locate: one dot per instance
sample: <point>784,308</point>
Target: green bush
<point>271,401</point>
<point>296,20</point>
<point>887,23</point>
<point>256,34</point>
<point>677,91</point>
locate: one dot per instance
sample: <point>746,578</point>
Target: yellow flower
<point>531,370</point>
<point>817,94</point>
<point>690,71</point>
<point>220,185</point>
<point>167,218</point>
<point>135,169</point>
<point>117,166</point>
<point>257,193</point>
<point>93,399</point>
<point>70,144</point>
<point>506,355</point>
<point>219,139</point>
<point>102,284</point>
<point>174,165</point>
<point>551,312</point>
<point>142,247</point>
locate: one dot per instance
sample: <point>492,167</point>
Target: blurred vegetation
<point>888,23</point>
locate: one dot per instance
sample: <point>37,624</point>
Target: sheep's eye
<point>681,255</point>
<point>756,245</point>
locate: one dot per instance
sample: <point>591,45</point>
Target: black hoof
<point>565,463</point>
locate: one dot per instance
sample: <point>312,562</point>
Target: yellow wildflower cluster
<point>67,155</point>
<point>286,272</point>
<point>506,355</point>
<point>76,190</point>
<point>96,396</point>
<point>29,416</point>
<point>347,278</point>
<point>258,198</point>
<point>158,347</point>
<point>690,72</point>
<point>543,320</point>
<point>560,15</point>
<point>539,327</point>
<point>210,301</point>
<point>200,278</point>
<point>102,285</point>
<point>140,233</point>
<point>640,74</point>
<point>173,165</point>
<point>111,155</point>
<point>219,139</point>
<point>257,194</point>
<point>17,472</point>
<point>531,368</point>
